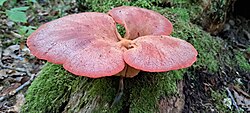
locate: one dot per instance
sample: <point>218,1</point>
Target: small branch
<point>232,98</point>
<point>15,34</point>
<point>246,33</point>
<point>1,50</point>
<point>12,93</point>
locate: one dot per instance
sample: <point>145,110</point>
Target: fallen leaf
<point>3,74</point>
<point>10,51</point>
<point>9,89</point>
<point>19,102</point>
<point>242,100</point>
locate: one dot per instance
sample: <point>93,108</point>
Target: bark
<point>173,104</point>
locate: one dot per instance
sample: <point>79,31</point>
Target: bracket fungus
<point>88,44</point>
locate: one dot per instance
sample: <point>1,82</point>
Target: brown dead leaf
<point>16,51</point>
<point>3,74</point>
<point>19,102</point>
<point>10,51</point>
<point>241,91</point>
<point>9,89</point>
<point>242,100</point>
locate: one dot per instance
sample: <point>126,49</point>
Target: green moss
<point>147,89</point>
<point>218,98</point>
<point>202,41</point>
<point>121,29</point>
<point>242,61</point>
<point>57,84</point>
<point>106,5</point>
<point>51,91</point>
<point>208,48</point>
<point>53,87</point>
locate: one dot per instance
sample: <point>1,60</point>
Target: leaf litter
<point>18,67</point>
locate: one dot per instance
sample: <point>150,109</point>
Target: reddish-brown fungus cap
<point>140,22</point>
<point>160,53</point>
<point>84,43</point>
<point>87,44</point>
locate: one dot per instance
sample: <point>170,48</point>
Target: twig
<point>1,50</point>
<point>232,98</point>
<point>11,68</point>
<point>247,33</point>
<point>120,92</point>
<point>15,34</point>
<point>19,88</point>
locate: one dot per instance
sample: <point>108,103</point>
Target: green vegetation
<point>18,15</point>
<point>57,84</point>
<point>220,99</point>
<point>242,61</point>
<point>22,17</point>
<point>208,48</point>
<point>54,86</point>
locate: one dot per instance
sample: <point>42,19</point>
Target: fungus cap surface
<point>140,22</point>
<point>160,53</point>
<point>88,44</point>
<point>84,43</point>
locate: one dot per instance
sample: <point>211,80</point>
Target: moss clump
<point>147,89</point>
<point>57,84</point>
<point>202,41</point>
<point>106,5</point>
<point>218,98</point>
<point>51,91</point>
<point>207,57</point>
<point>235,59</point>
<point>242,61</point>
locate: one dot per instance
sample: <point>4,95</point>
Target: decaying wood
<point>173,104</point>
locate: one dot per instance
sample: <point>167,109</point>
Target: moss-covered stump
<point>56,90</point>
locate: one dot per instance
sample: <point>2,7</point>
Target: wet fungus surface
<point>88,44</point>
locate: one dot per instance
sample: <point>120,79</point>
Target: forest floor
<point>229,88</point>
<point>226,90</point>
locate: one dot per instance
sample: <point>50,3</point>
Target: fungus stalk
<point>128,44</point>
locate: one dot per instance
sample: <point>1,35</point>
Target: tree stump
<point>56,90</point>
